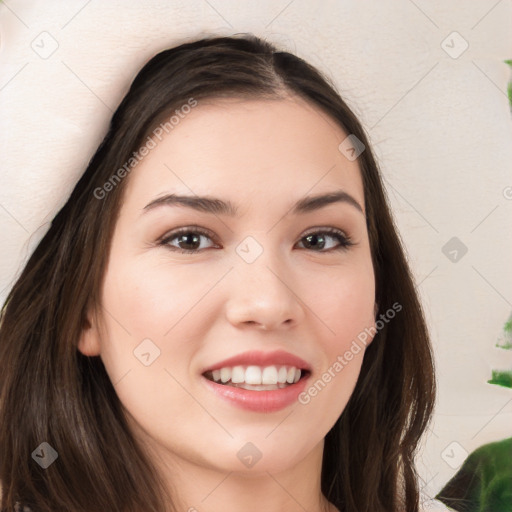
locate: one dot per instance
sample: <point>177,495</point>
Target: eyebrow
<point>216,206</point>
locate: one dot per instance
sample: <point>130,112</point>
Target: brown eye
<point>188,240</point>
<point>319,240</point>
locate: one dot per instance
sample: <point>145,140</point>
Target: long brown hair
<point>50,392</point>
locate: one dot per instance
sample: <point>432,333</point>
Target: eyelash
<point>344,240</point>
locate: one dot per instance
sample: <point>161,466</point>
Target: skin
<point>262,155</point>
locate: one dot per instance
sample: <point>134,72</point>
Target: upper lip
<point>258,358</point>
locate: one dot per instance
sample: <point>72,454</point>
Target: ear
<point>89,342</point>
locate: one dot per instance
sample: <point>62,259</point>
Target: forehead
<point>275,150</point>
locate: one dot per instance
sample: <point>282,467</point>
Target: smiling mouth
<point>255,378</point>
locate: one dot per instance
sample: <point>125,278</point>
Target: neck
<point>198,485</point>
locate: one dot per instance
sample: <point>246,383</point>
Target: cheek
<point>344,300</point>
<point>154,297</point>
<point>154,307</point>
<point>146,347</point>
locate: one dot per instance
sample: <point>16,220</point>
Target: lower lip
<point>259,401</point>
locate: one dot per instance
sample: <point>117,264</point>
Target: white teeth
<point>260,387</point>
<point>252,375</point>
<point>281,375</point>
<point>237,374</point>
<point>257,375</point>
<point>269,375</point>
<point>225,375</point>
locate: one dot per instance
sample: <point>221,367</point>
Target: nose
<point>263,294</point>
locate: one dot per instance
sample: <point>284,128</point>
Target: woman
<point>221,311</point>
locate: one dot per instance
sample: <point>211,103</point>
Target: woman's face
<point>270,277</point>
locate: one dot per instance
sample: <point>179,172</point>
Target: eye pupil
<point>189,236</point>
<point>315,237</point>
